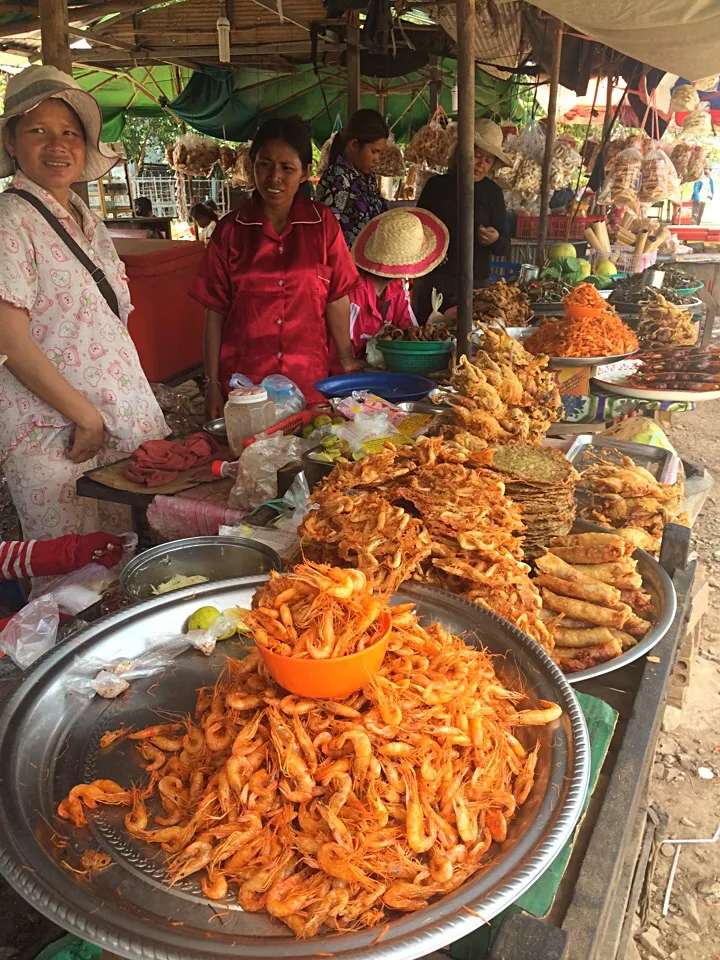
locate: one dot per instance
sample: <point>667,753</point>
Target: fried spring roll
<point>636,626</point>
<point>621,574</point>
<point>581,589</point>
<point>570,661</point>
<point>582,610</point>
<point>639,602</point>
<point>625,639</point>
<point>582,638</point>
<point>590,548</point>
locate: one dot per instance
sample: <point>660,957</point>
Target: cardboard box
<point>573,381</point>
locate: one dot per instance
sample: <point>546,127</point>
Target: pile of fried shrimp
<point>330,814</point>
<point>316,612</point>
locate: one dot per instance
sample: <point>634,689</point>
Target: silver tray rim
<point>664,589</point>
<point>436,926</point>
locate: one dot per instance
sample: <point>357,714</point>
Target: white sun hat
<point>25,90</point>
<point>488,136</point>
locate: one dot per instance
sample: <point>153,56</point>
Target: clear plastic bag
<point>436,301</point>
<point>256,480</point>
<point>31,632</point>
<point>659,178</point>
<point>282,537</point>
<point>684,99</point>
<point>284,393</point>
<point>699,122</point>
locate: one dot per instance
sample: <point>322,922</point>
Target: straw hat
<point>488,136</point>
<point>36,83</point>
<point>404,242</point>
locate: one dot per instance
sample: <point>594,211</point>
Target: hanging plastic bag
<point>391,162</point>
<point>684,99</point>
<point>31,632</point>
<point>429,146</point>
<point>659,179</point>
<point>256,480</point>
<point>699,122</point>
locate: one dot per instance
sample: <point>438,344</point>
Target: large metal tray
<point>47,745</point>
<point>660,587</point>
<point>587,448</point>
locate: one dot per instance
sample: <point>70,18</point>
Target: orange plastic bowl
<point>328,679</point>
<point>574,311</point>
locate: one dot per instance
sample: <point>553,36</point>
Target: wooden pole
<point>353,63</point>
<point>607,123</point>
<point>54,34</point>
<point>465,14</point>
<point>435,86</point>
<point>549,143</point>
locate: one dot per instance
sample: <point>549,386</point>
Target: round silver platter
<point>48,743</point>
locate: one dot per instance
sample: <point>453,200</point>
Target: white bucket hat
<point>488,136</point>
<point>36,83</point>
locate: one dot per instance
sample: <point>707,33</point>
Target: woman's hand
<point>487,235</point>
<point>214,401</point>
<point>351,364</point>
<point>88,438</point>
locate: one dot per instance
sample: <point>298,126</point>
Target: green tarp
<point>231,104</point>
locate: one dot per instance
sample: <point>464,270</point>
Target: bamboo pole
<point>54,34</point>
<point>549,143</point>
<point>353,64</point>
<point>465,15</point>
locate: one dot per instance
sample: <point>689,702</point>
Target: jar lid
<point>247,395</point>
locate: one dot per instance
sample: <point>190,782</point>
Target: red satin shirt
<point>273,290</point>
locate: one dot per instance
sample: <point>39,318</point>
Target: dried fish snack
<point>502,301</point>
<point>664,324</point>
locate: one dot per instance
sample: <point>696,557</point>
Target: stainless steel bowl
<point>217,558</point>
<point>48,744</point>
<point>216,429</point>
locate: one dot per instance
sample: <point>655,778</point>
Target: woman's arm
<point>337,315</point>
<point>214,400</point>
<point>38,374</point>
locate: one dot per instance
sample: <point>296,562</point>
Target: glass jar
<point>248,411</point>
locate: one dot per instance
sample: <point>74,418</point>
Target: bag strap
<point>103,284</point>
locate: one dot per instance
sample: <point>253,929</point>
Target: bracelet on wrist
<point>209,380</point>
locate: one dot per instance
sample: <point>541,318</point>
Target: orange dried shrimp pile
<point>468,532</point>
<point>329,814</point>
<point>316,612</point>
<point>585,295</point>
<point>604,335</point>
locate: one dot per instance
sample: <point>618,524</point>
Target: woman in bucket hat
<point>400,245</point>
<point>72,393</point>
<point>440,197</point>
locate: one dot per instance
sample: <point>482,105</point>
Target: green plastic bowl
<point>407,356</point>
<point>689,291</point>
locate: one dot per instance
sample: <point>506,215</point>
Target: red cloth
<point>157,462</point>
<point>366,317</point>
<point>273,290</point>
<point>52,558</point>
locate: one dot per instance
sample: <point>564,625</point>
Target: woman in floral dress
<point>349,185</point>
<point>73,394</point>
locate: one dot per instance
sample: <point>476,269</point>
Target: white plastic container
<point>248,411</point>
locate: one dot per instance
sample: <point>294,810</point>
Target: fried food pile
<point>428,332</point>
<point>502,301</point>
<point>696,369</point>
<point>329,814</point>
<point>662,323</point>
<point>316,612</point>
<point>604,335</point>
<point>504,394</point>
<point>465,542</point>
<point>630,499</point>
<point>541,482</point>
<point>593,599</point>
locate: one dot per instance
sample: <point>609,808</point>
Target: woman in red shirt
<point>276,277</point>
<point>401,244</point>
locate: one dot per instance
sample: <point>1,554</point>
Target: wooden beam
<point>353,63</point>
<point>465,16</point>
<point>105,41</point>
<point>179,54</point>
<point>549,142</point>
<point>54,34</point>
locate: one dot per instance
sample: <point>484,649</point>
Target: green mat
<point>70,948</point>
<point>537,899</point>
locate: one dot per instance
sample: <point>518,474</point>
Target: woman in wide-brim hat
<point>72,392</point>
<point>402,244</point>
<point>440,195</point>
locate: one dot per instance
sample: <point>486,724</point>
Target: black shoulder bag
<point>103,284</point>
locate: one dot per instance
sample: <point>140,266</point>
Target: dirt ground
<point>689,742</point>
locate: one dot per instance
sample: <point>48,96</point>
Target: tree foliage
<point>144,134</point>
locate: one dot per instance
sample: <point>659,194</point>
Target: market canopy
<point>680,38</point>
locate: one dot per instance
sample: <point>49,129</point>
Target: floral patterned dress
<point>72,324</point>
<point>352,196</point>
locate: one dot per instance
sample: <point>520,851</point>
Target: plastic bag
<point>391,162</point>
<point>282,537</point>
<point>373,354</point>
<point>436,300</point>
<point>31,632</point>
<point>429,146</point>
<point>689,161</point>
<point>699,122</point>
<point>684,99</point>
<point>284,393</point>
<point>256,480</point>
<point>659,178</point>
<point>530,142</point>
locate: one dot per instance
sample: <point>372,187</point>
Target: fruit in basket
<point>202,618</point>
<point>557,250</point>
<point>605,268</point>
